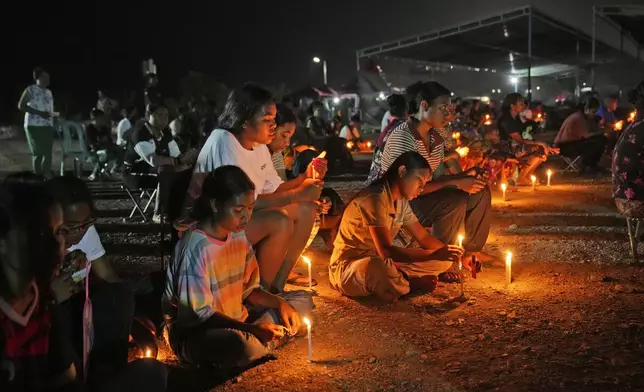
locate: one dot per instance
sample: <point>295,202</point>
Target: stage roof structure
<point>523,42</point>
<point>628,20</point>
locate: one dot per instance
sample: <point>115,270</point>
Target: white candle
<point>460,240</point>
<point>504,187</point>
<point>534,182</point>
<point>308,331</point>
<point>460,264</point>
<point>308,262</point>
<point>549,175</point>
<point>508,269</point>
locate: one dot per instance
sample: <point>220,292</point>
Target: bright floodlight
<point>538,87</point>
<point>514,80</point>
<point>316,59</point>
<point>382,96</point>
<point>336,100</point>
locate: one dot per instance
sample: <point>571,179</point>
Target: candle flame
<point>508,259</point>
<point>460,240</point>
<point>306,260</point>
<point>487,116</point>
<point>306,321</point>
<point>368,144</point>
<point>504,187</point>
<point>463,151</point>
<point>619,125</point>
<point>148,353</point>
<point>456,135</point>
<point>538,115</point>
<point>549,173</point>
<point>533,178</point>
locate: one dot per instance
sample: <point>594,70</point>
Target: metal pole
<point>530,57</point>
<point>577,75</point>
<point>592,58</point>
<point>324,70</point>
<point>357,61</point>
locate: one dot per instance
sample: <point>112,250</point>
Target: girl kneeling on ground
<point>365,261</point>
<point>215,310</point>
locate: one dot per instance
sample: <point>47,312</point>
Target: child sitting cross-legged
<point>215,310</point>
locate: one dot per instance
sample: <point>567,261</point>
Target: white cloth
<point>222,148</point>
<point>349,133</point>
<point>175,127</point>
<point>40,99</point>
<point>148,148</point>
<point>385,121</point>
<point>123,126</point>
<point>90,244</point>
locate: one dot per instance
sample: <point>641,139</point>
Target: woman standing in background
<point>38,104</point>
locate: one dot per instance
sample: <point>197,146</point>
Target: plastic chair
<point>75,148</point>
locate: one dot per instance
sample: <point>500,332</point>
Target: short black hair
<point>154,106</point>
<point>397,105</point>
<point>70,190</point>
<point>222,185</point>
<point>355,118</point>
<point>37,72</point>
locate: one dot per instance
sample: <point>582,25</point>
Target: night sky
<point>91,45</point>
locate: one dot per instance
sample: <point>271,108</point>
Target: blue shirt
<point>608,117</point>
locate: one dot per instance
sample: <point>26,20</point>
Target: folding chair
<point>572,165</point>
<point>73,147</point>
<point>143,193</point>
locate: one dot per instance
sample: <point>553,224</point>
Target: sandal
<point>300,280</point>
<point>449,277</point>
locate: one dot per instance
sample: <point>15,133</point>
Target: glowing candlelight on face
<point>534,182</point>
<point>549,176</point>
<point>504,187</point>
<point>308,331</point>
<point>308,262</point>
<point>508,269</point>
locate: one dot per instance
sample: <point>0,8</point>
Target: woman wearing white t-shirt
<point>284,211</point>
<point>38,104</point>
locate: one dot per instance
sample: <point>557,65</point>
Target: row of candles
<point>504,186</point>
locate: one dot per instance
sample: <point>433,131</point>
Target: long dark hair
<point>284,115</point>
<point>28,246</point>
<point>243,103</point>
<point>409,159</point>
<point>222,185</point>
<point>508,101</point>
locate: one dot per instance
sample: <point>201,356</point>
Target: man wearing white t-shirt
<point>284,212</point>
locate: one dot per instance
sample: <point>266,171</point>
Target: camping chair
<point>73,147</point>
<point>572,164</point>
<point>143,193</point>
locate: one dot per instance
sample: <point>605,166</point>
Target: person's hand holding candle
<point>318,167</point>
<point>290,317</point>
<point>324,205</point>
<point>267,332</point>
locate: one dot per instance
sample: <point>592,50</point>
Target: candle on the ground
<point>308,331</point>
<point>504,187</point>
<point>508,269</point>
<point>534,182</point>
<point>549,176</point>
<point>148,353</point>
<point>460,264</point>
<point>308,262</point>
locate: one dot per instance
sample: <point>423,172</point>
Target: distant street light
<point>514,80</point>
<point>318,60</point>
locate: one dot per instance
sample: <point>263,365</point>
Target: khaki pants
<point>383,278</point>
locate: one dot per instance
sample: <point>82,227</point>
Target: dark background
<point>91,45</point>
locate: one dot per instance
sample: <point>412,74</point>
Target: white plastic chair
<point>75,148</point>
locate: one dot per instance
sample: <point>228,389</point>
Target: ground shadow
<point>204,378</point>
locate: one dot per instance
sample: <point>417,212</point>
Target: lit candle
<point>508,269</point>
<point>618,125</point>
<point>308,262</point>
<point>504,187</point>
<point>460,264</point>
<point>549,175</point>
<point>308,331</point>
<point>369,145</point>
<point>148,353</point>
<point>534,182</point>
<point>462,151</point>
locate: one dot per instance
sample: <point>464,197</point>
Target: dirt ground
<point>571,320</point>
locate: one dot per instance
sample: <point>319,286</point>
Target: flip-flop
<point>301,281</point>
<point>449,277</point>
